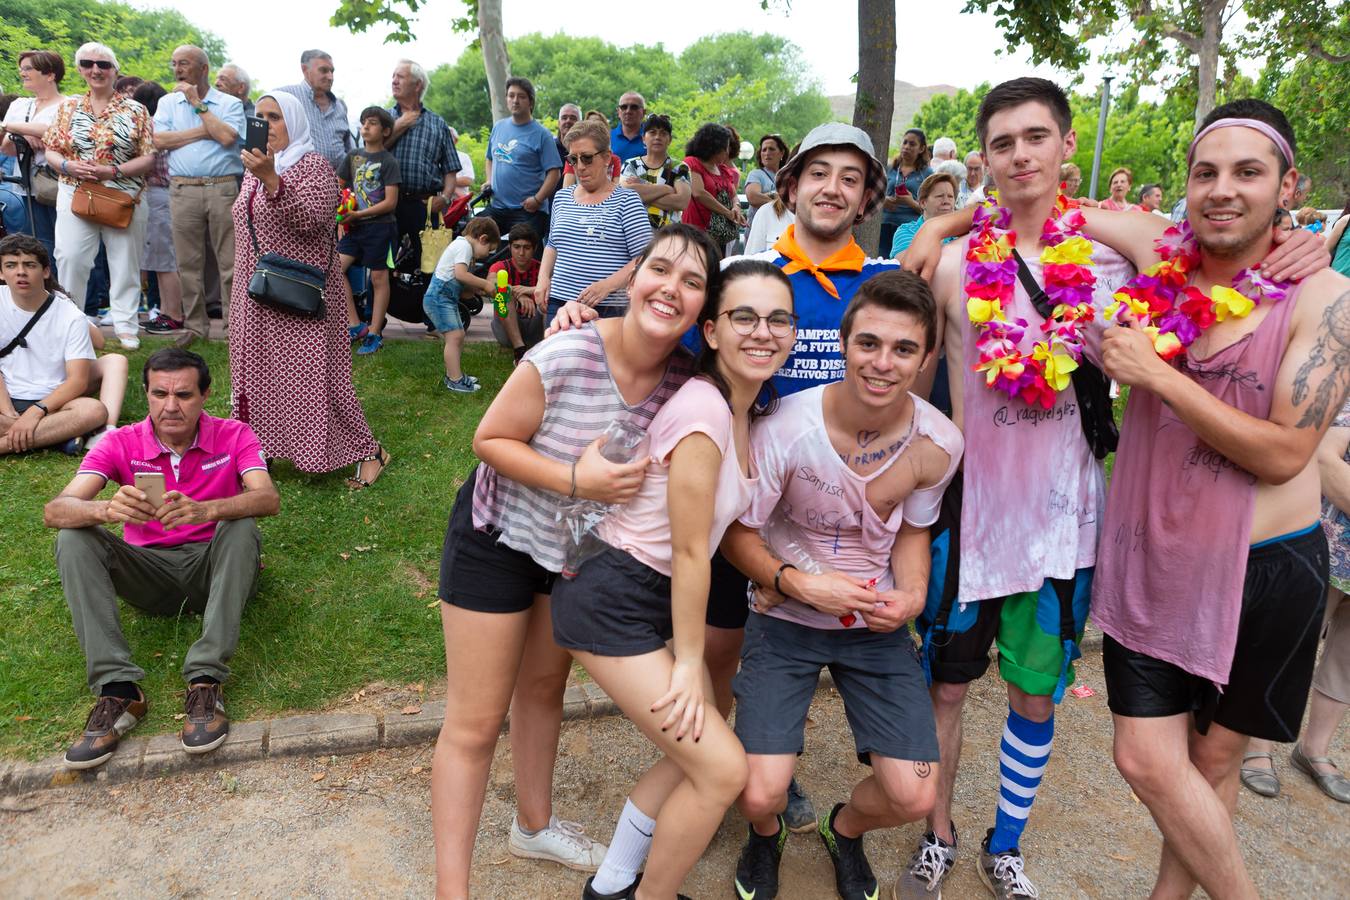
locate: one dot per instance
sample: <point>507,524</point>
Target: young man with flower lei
<point>1015,548</point>
<point>1211,634</point>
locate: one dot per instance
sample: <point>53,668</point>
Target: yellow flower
<point>1229,303</point>
<point>1139,307</point>
<point>1056,364</point>
<point>1073,252</point>
<point>1166,344</point>
<point>1011,366</point>
<point>982,311</point>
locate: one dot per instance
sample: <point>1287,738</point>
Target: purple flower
<point>993,272</point>
<point>1177,322</point>
<point>1257,287</point>
<point>996,216</point>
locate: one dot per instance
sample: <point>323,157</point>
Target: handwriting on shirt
<point>870,456</point>
<point>1007,416</point>
<point>1063,504</point>
<point>1133,540</point>
<point>829,488</point>
<point>1230,372</point>
<point>1204,457</point>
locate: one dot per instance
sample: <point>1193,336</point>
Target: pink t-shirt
<point>642,526</point>
<point>1033,492</point>
<point>211,469</point>
<point>802,479</point>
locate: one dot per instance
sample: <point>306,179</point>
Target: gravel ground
<point>360,826</point>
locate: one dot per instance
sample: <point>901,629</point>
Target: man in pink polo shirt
<point>198,549</point>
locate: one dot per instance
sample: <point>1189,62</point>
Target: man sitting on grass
<point>46,357</point>
<point>190,488</point>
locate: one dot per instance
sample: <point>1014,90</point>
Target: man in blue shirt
<point>329,129</point>
<point>424,146</point>
<point>523,165</point>
<point>625,140</point>
<point>199,127</point>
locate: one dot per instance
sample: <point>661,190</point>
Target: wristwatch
<point>201,108</point>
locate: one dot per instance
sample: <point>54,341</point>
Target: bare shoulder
<point>947,277</point>
<point>1320,345</point>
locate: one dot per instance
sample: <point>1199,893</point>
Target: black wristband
<point>777,586</point>
<point>42,406</point>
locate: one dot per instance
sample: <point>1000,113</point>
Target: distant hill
<point>908,99</point>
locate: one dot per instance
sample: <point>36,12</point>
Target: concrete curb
<point>322,734</point>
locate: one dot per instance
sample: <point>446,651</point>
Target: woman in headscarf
<point>292,376</point>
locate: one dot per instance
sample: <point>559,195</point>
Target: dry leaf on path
<point>318,776</point>
<point>411,710</point>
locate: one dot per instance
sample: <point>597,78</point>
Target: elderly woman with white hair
<point>101,144</point>
<point>290,375</point>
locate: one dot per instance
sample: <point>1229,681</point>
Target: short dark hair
<point>1146,188</point>
<point>898,291</point>
<point>46,62</point>
<point>1251,108</point>
<point>174,359</point>
<point>380,114</point>
<point>6,100</point>
<point>127,83</point>
<point>522,231</point>
<point>777,139</point>
<point>148,94</point>
<point>657,121</point>
<point>26,245</point>
<point>1019,91</point>
<point>710,140</point>
<point>524,84</point>
<point>479,226</point>
<point>706,362</point>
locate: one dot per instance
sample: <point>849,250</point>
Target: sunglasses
<point>745,320</point>
<point>103,64</point>
<point>628,106</point>
<point>583,159</point>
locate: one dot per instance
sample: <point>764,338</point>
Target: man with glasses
<point>626,139</point>
<point>523,164</point>
<point>329,130</point>
<point>233,80</point>
<point>199,127</point>
<point>972,186</point>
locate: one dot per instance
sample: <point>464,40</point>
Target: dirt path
<point>360,826</point>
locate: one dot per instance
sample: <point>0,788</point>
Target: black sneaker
<point>800,815</point>
<point>162,324</point>
<point>628,893</point>
<point>757,868</point>
<point>853,877</point>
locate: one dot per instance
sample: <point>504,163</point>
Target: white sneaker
<point>129,342</point>
<point>561,842</point>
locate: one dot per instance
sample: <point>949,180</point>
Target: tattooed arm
<point>1311,385</point>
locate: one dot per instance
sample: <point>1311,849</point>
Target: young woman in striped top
<point>503,549</point>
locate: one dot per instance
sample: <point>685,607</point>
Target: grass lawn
<point>347,594</point>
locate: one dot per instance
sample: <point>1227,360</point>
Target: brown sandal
<point>381,455</point>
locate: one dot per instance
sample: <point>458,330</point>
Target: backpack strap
<point>19,339</point>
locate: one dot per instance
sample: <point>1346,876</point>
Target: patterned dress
<point>1336,522</point>
<point>291,376</point>
<point>114,137</point>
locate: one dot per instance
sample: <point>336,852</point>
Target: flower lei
<point>991,273</point>
<point>1171,312</point>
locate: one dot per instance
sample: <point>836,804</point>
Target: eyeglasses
<point>627,106</point>
<point>103,64</point>
<point>583,159</point>
<point>23,69</point>
<point>745,320</point>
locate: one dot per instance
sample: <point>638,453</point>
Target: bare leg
<point>80,416</point>
<point>109,378</point>
<point>897,791</point>
<point>1190,789</point>
<point>454,346</point>
<point>948,702</point>
<point>1324,717</point>
<point>722,653</point>
<point>714,767</point>
<point>536,717</point>
<point>170,295</point>
<point>379,294</point>
<point>482,659</point>
<point>766,786</point>
<point>511,325</point>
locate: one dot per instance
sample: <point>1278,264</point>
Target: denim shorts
<point>441,304</point>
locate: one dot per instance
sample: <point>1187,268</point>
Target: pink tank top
<point>1033,490</point>
<point>1173,555</point>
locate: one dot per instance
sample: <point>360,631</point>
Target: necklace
<point>991,273</point>
<point>1174,313</point>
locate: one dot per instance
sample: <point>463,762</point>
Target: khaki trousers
<point>203,211</point>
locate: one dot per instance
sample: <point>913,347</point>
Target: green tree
<point>952,115</point>
<point>143,40</point>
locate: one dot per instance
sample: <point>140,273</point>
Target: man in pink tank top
<point>1211,574</point>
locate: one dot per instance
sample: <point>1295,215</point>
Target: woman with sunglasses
<point>28,119</point>
<point>596,234</point>
<point>106,137</point>
<point>760,185</point>
<point>634,614</point>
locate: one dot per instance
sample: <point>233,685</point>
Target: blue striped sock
<point>1021,762</point>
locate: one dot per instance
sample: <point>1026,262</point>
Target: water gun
<point>346,206</point>
<point>503,295</point>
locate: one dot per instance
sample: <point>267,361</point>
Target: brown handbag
<point>104,205</point>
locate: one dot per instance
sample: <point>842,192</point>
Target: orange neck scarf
<point>848,259</point>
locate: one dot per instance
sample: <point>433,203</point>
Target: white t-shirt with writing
<point>459,251</point>
<point>62,334</point>
<point>803,480</point>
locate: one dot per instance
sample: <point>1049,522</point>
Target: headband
<point>1256,125</point>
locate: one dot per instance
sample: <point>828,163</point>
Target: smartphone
<point>255,134</point>
<point>152,484</point>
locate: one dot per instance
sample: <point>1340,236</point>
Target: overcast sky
<point>936,43</point>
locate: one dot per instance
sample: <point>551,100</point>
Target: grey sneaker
<point>928,867</point>
<point>800,814</point>
<point>462,386</point>
<point>1002,873</point>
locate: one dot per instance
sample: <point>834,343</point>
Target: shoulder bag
<point>435,238</point>
<point>103,205</point>
<point>20,339</point>
<point>282,283</point>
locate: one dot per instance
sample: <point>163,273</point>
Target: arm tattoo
<point>1332,349</point>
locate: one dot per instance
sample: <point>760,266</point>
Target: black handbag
<point>283,283</point>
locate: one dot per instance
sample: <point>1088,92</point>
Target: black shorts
<point>878,676</point>
<point>1283,598</point>
<point>728,597</point>
<point>371,244</point>
<point>616,606</point>
<point>480,573</point>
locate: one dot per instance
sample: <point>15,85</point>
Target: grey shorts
<point>616,606</point>
<point>877,675</point>
<point>158,254</point>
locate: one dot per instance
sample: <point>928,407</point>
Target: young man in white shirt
<point>44,376</point>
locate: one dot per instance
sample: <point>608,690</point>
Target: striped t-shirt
<point>595,240</point>
<point>580,400</point>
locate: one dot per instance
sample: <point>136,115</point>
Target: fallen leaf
<point>1134,797</point>
<point>502,861</point>
<point>180,716</point>
<point>411,710</point>
<point>158,655</point>
<point>416,770</point>
<point>345,555</point>
<point>1118,858</point>
<point>23,718</point>
<point>367,520</point>
<point>318,776</point>
<point>361,549</point>
<point>434,603</point>
<point>334,796</point>
<point>228,783</point>
<point>426,456</point>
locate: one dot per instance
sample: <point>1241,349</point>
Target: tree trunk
<point>874,104</point>
<point>1211,12</point>
<point>496,61</point>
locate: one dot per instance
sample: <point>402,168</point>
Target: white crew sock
<point>627,850</point>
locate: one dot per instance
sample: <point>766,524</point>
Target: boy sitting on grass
<point>372,174</point>
<point>518,332</point>
<point>452,277</point>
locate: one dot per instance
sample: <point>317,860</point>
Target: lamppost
<point>1101,135</point>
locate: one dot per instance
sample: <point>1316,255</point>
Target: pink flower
<point>1255,285</point>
